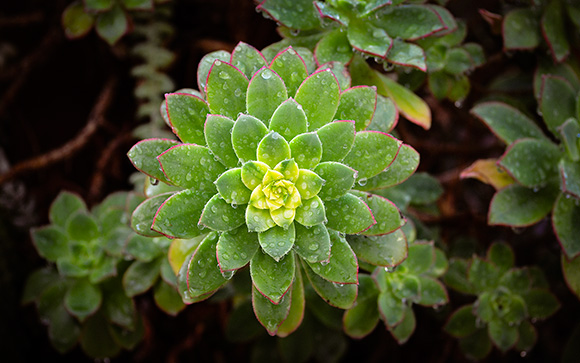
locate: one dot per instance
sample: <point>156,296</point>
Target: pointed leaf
<point>357,104</point>
<point>407,55</point>
<point>385,212</point>
<point>247,59</point>
<point>385,117</point>
<point>96,338</point>
<point>392,309</point>
<point>289,120</point>
<point>231,187</point>
<point>554,31</point>
<point>462,322</point>
<point>190,166</point>
<point>401,169</point>
<point>483,275</point>
<point>82,227</point>
<point>64,205</point>
<point>565,221</point>
<point>568,134</point>
<point>362,318</point>
<point>337,140</point>
<point>258,220</point>
<point>303,15</point>
<point>341,296</point>
<point>270,277</point>
<point>333,46</point>
<point>521,29</point>
<point>291,68</point>
<point>501,255</point>
<point>273,148</point>
<point>205,66</point>
<point>277,241</point>
<point>519,206</point>
<point>112,25</point>
<point>306,149</point>
<point>372,153</point>
<point>187,115</point>
<point>570,177</point>
<point>403,331</point>
<point>385,250</point>
<point>409,21</point>
<point>311,212</point>
<point>178,215</point>
<point>270,315</point>
<point>367,38</point>
<point>557,103</point>
<point>50,241</point>
<point>349,214</point>
<point>342,267</point>
<point>144,248</point>
<point>167,298</point>
<point>487,171</point>
<point>297,304</point>
<point>266,92</point>
<point>532,163</point>
<point>140,277</point>
<point>541,303</point>
<point>75,21</point>
<point>502,335</point>
<point>204,275</point>
<point>338,177</point>
<point>527,337</point>
<point>83,299</point>
<point>144,154</point>
<point>219,215</point>
<point>236,248</point>
<point>319,85</point>
<point>144,215</point>
<point>218,135</point>
<point>248,131</point>
<point>313,243</point>
<point>433,293</point>
<point>408,103</point>
<point>226,90</point>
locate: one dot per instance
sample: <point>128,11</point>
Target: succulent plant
<point>269,157</point>
<point>389,293</point>
<point>83,299</point>
<point>509,301</point>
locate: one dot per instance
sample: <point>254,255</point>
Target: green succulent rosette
<point>265,174</point>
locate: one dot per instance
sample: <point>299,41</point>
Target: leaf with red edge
<point>401,169</point>
<point>372,153</point>
<point>557,103</point>
<point>410,22</point>
<point>144,154</point>
<point>554,31</point>
<point>112,25</point>
<point>357,104</point>
<point>143,216</point>
<point>190,166</point>
<point>571,272</point>
<point>407,55</point>
<point>226,90</point>
<point>297,304</point>
<point>187,114</point>
<point>362,318</point>
<point>270,277</point>
<point>565,219</point>
<point>385,117</point>
<point>518,206</point>
<point>266,92</point>
<point>570,177</point>
<point>247,59</point>
<point>387,250</point>
<point>296,14</point>
<point>487,171</point>
<point>386,214</point>
<point>290,66</point>
<point>319,84</point>
<point>341,296</point>
<point>521,30</point>
<point>205,66</point>
<point>367,38</point>
<point>333,46</point>
<point>218,134</point>
<point>342,268</point>
<point>349,214</point>
<point>337,139</point>
<point>203,274</point>
<point>270,315</point>
<point>236,248</point>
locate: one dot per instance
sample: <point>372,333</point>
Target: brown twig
<point>21,20</point>
<point>96,117</point>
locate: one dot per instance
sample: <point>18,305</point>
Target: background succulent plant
<point>275,186</point>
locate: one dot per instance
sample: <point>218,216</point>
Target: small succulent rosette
<point>269,158</point>
<point>509,301</point>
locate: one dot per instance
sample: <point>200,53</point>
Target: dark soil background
<point>51,88</point>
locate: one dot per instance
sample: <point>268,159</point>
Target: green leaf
<point>407,55</point>
<point>302,16</point>
<point>440,84</point>
<point>167,298</point>
<point>118,308</point>
<point>270,277</point>
<point>518,206</point>
<point>333,46</point>
<point>401,169</point>
<point>372,153</point>
<point>406,286</point>
<point>571,272</point>
<point>367,38</point>
<point>557,102</point>
<point>403,331</point>
<point>568,134</point>
<point>357,104</point>
<point>226,90</point>
<point>97,5</point>
<point>337,139</point>
<point>236,248</point>
<point>112,25</point>
<point>532,163</point>
<point>458,61</point>
<point>252,173</point>
<point>83,299</point>
<point>409,21</point>
<point>483,275</point>
<point>270,315</point>
<point>219,215</point>
<point>554,31</point>
<point>391,308</point>
<point>322,84</point>
<point>385,117</point>
<point>289,120</point>
<point>231,188</point>
<point>190,166</point>
<point>273,149</point>
<point>308,183</point>
<point>75,21</point>
<point>306,149</point>
<point>507,122</point>
<point>386,250</point>
<point>82,227</point>
<point>385,212</point>
<point>206,64</point>
<point>349,214</point>
<point>521,29</point>
<point>570,177</point>
<point>341,296</point>
<point>313,243</point>
<point>143,216</point>
<point>218,135</point>
<point>144,154</point>
<point>501,255</point>
<point>258,220</point>
<point>138,4</point>
<point>187,114</point>
<point>340,71</point>
<point>433,293</point>
<point>38,281</point>
<point>64,206</point>
<point>203,273</point>
<point>50,242</point>
<point>290,66</point>
<point>342,267</point>
<point>247,59</point>
<point>334,11</point>
<point>541,303</point>
<point>144,248</point>
<point>277,241</point>
<point>140,277</point>
<point>128,339</point>
<point>248,131</point>
<point>462,322</point>
<point>178,215</point>
<point>515,280</point>
<point>362,318</point>
<point>409,104</point>
<point>296,312</point>
<point>456,276</point>
<point>502,335</point>
<point>266,92</point>
<point>527,337</point>
<point>311,212</point>
<point>338,177</point>
<point>421,257</point>
<point>96,339</point>
<point>476,346</point>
